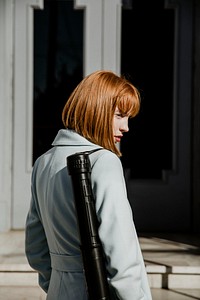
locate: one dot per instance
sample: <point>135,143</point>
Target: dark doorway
<point>147,60</point>
<point>58,67</point>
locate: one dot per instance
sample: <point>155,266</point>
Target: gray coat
<point>52,239</point>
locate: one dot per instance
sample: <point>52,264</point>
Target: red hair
<point>91,106</point>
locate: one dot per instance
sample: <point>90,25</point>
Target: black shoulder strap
<point>92,151</point>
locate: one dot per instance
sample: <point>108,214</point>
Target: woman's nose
<point>124,126</point>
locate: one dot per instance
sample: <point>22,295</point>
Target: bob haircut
<point>90,108</point>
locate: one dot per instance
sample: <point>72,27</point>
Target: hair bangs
<point>129,105</point>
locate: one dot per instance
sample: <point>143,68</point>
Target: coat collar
<point>66,137</point>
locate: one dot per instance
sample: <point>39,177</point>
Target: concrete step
<point>170,264</point>
<point>23,285</point>
<point>183,277</point>
<point>159,276</point>
<point>175,294</point>
<point>21,293</point>
<point>172,261</point>
<point>35,293</point>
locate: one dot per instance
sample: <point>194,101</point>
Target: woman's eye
<point>119,115</point>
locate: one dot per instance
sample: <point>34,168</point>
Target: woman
<point>95,115</point>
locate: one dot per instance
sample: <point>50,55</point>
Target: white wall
<point>6,89</point>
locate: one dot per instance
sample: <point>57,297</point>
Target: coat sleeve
<point>117,232</point>
<point>36,247</point>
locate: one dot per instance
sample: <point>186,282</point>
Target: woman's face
<point>120,125</point>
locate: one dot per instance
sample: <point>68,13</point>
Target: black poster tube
<point>92,252</point>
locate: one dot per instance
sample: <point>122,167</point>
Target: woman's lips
<point>118,139</point>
